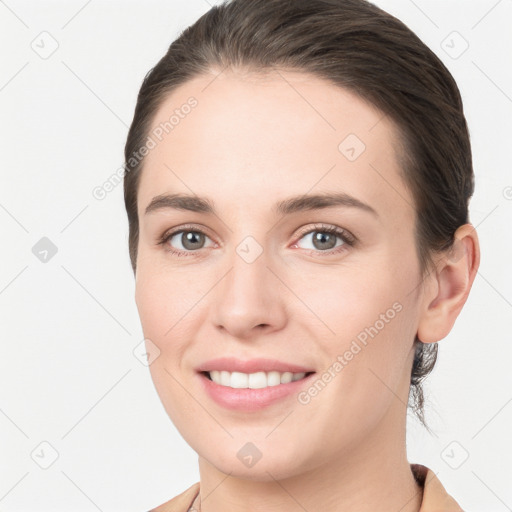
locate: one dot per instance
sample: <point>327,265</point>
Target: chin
<point>276,466</point>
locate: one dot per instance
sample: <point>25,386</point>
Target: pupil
<point>321,238</point>
<point>188,239</point>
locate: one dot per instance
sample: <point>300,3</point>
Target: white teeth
<point>286,377</point>
<point>225,378</point>
<point>256,380</point>
<point>273,378</point>
<point>239,380</point>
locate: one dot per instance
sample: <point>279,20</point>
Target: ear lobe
<point>450,286</point>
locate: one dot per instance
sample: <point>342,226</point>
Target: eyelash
<point>346,237</point>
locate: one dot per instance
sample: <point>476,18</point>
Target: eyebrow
<point>288,206</point>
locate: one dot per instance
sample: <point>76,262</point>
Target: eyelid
<point>170,233</point>
<point>185,227</point>
<point>345,235</point>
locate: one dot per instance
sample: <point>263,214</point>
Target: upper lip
<point>231,364</point>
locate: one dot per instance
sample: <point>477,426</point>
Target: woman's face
<point>258,277</point>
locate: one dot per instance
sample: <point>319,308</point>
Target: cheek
<point>159,312</point>
<point>366,372</point>
<point>371,317</point>
<point>163,308</point>
<point>162,299</point>
<point>170,307</point>
<point>348,300</point>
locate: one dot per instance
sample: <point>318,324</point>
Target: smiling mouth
<point>257,380</point>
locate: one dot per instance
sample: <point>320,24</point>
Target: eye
<point>186,240</point>
<point>327,239</point>
<point>182,241</point>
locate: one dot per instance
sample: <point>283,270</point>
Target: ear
<point>449,286</point>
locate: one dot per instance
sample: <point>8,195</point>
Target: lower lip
<point>247,399</point>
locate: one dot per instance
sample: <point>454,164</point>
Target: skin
<point>253,140</point>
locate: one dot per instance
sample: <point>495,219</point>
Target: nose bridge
<point>248,277</point>
<point>248,295</point>
<point>249,255</point>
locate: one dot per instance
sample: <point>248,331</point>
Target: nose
<point>249,299</point>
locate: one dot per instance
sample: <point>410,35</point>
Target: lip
<point>232,364</point>
<point>247,399</point>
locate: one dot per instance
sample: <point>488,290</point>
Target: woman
<point>297,183</point>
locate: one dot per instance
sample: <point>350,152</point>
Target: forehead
<point>252,137</point>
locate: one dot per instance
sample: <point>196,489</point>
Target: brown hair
<point>355,45</point>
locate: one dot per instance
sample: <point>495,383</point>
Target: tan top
<point>435,497</point>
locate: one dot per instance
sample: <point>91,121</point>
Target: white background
<point>69,326</point>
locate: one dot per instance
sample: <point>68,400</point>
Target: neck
<point>374,475</point>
